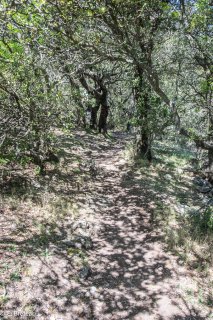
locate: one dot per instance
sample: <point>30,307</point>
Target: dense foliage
<point>147,62</point>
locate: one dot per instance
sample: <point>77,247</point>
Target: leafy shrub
<point>203,221</point>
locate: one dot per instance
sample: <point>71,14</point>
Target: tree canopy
<point>149,61</point>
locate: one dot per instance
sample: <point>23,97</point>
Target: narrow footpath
<point>131,274</point>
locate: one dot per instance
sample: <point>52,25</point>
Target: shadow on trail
<point>133,277</point>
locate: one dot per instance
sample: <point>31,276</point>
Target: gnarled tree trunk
<point>210,150</point>
<point>144,146</point>
<point>102,124</point>
<point>93,120</point>
<point>142,101</point>
<point>210,165</point>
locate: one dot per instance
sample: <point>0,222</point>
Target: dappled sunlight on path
<point>132,274</point>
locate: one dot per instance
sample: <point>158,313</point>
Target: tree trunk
<point>210,166</point>
<point>210,151</point>
<point>144,146</point>
<point>102,124</point>
<point>93,120</point>
<point>142,101</point>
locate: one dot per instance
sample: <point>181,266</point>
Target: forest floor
<point>96,238</point>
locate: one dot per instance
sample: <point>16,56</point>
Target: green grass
<point>15,276</point>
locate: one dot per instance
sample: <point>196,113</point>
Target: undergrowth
<point>183,214</point>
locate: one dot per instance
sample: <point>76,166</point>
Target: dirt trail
<point>133,276</point>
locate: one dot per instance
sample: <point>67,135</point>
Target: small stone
<point>168,177</point>
<point>83,233</point>
<point>179,171</point>
<point>93,290</point>
<point>85,241</point>
<point>36,184</point>
<point>181,208</point>
<point>85,272</point>
<point>96,295</point>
